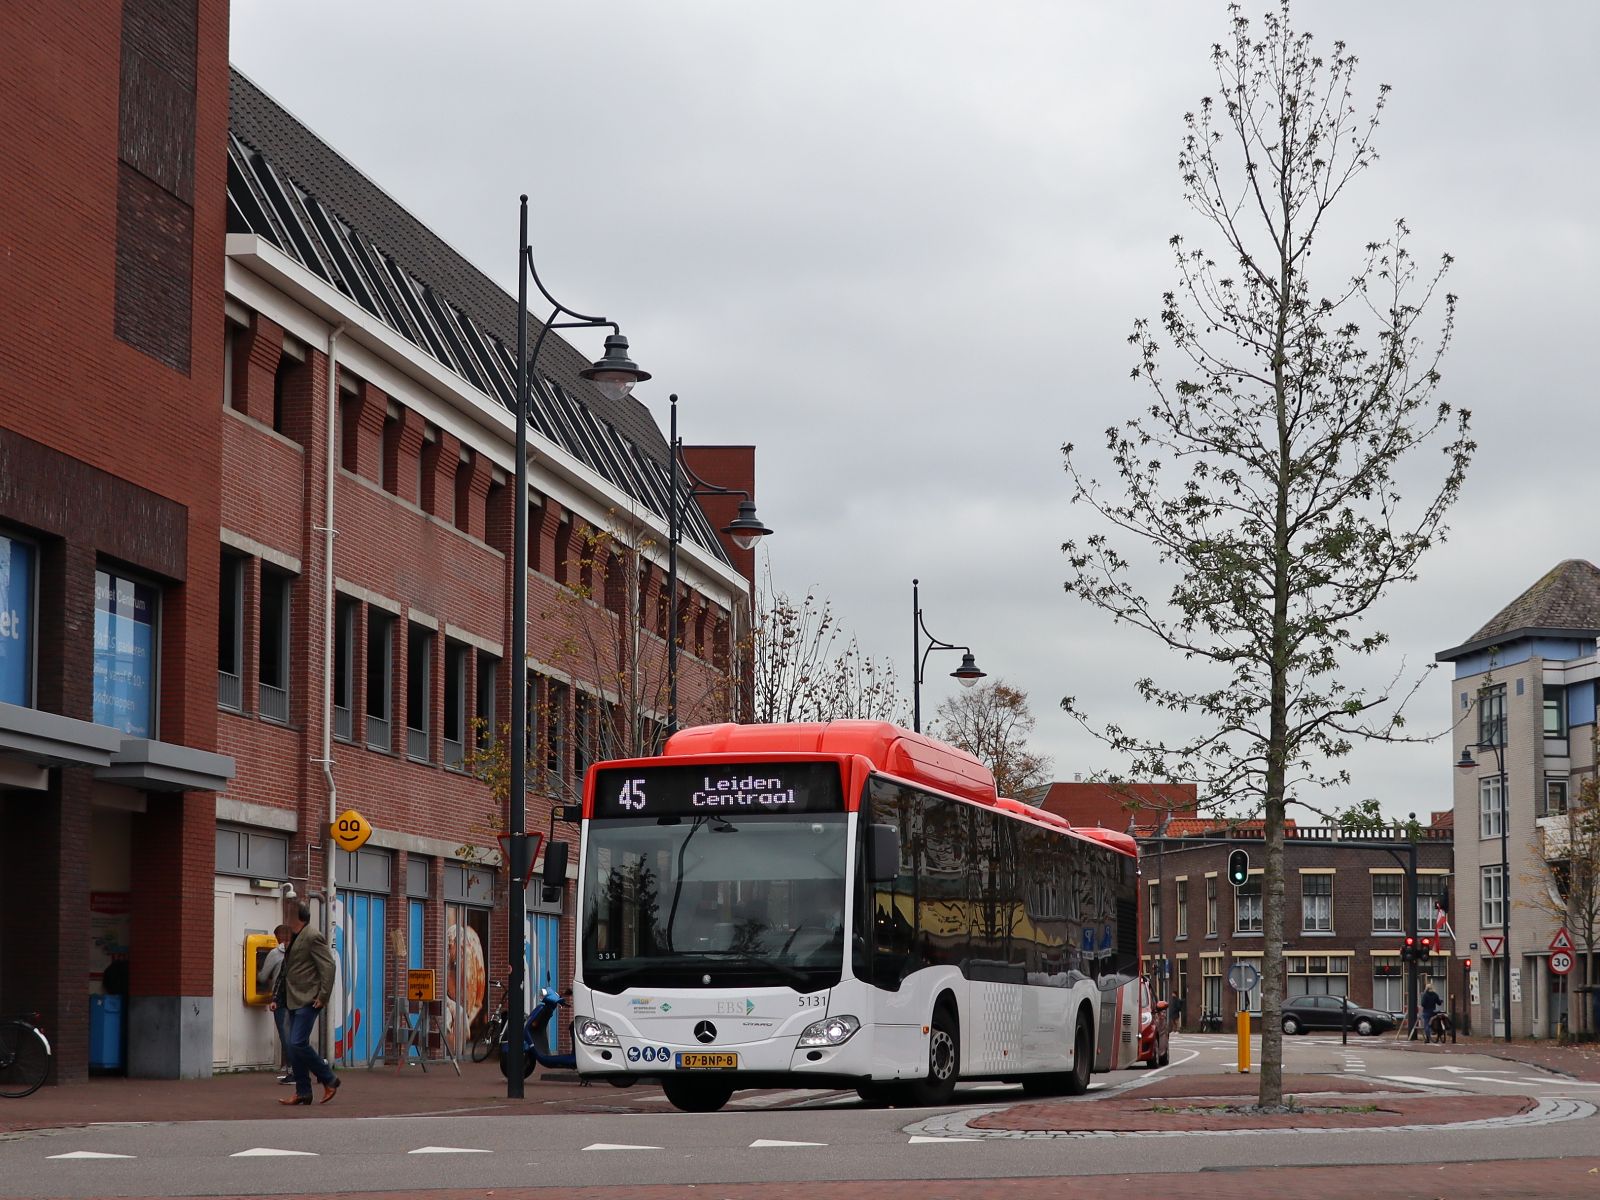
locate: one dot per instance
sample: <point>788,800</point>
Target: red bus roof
<point>887,747</point>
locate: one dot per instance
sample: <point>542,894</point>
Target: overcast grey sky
<point>899,247</point>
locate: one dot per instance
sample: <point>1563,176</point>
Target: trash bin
<point>105,1033</point>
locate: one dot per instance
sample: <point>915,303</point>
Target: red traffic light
<point>1466,964</point>
<point>1409,950</point>
<point>1426,948</point>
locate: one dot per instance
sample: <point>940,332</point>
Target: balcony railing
<point>377,732</point>
<point>230,691</point>
<point>274,703</point>
<point>417,744</point>
<point>453,754</point>
<point>341,722</point>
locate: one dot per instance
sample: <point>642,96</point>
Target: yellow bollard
<point>1244,1041</point>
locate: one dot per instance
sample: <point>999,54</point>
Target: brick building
<point>272,411</point>
<point>1344,916</point>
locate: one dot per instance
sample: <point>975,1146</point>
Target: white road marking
<point>1436,1084</point>
<point>90,1154</point>
<point>617,1146</point>
<point>918,1140</point>
<point>273,1152</point>
<point>446,1150</point>
<point>768,1144</point>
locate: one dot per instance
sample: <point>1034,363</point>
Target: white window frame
<point>1491,897</point>
<point>1387,923</point>
<point>1491,810</point>
<point>1180,906</point>
<point>1316,908</point>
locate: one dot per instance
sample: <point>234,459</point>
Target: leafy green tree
<point>1264,477</point>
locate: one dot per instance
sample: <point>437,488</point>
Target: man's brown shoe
<point>328,1090</point>
<point>295,1100</point>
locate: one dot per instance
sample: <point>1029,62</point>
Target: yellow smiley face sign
<point>351,830</point>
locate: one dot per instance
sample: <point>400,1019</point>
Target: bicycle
<point>24,1056</point>
<point>494,1030</point>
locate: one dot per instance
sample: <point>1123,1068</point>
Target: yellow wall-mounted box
<point>256,946</point>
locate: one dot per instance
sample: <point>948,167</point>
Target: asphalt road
<point>778,1136</point>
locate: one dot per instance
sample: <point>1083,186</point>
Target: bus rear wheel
<point>1076,1081</point>
<point>944,1065</point>
<point>696,1095</point>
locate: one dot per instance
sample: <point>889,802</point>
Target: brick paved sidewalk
<point>1524,1179</point>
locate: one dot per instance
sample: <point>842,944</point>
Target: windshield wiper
<point>783,970</point>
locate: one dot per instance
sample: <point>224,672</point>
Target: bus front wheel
<point>696,1095</point>
<point>944,1064</point>
<point>1077,1079</point>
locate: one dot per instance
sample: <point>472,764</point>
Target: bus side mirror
<point>554,878</point>
<point>883,852</point>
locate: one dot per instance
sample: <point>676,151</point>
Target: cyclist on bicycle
<point>1431,1003</point>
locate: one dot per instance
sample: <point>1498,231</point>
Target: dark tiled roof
<point>288,186</point>
<point>1566,598</point>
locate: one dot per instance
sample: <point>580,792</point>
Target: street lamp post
<point>1468,763</point>
<point>968,672</point>
<point>746,530</point>
<point>614,374</point>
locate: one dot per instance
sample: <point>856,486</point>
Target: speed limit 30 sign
<point>1560,962</point>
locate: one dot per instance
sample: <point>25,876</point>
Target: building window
<point>1492,716</point>
<point>1430,891</point>
<point>380,674</point>
<point>230,633</point>
<point>17,560</point>
<point>1489,807</point>
<point>1555,712</point>
<point>126,622</point>
<point>344,641</point>
<point>1493,898</point>
<point>1386,903</point>
<point>287,385</point>
<point>1155,910</point>
<point>419,693</point>
<point>273,644</point>
<point>455,703</point>
<point>1318,974</point>
<point>1247,906</point>
<point>552,726</point>
<point>588,734</point>
<point>1316,903</point>
<point>1388,985</point>
<point>1180,898</point>
<point>1211,906</point>
<point>1211,984</point>
<point>246,852</point>
<point>483,714</point>
<point>1555,798</point>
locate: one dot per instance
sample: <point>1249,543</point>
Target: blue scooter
<point>536,1051</point>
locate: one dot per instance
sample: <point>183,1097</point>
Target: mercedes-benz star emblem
<point>705,1032</point>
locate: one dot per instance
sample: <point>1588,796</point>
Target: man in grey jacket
<point>305,985</point>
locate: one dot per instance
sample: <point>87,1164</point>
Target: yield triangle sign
<point>1561,941</point>
<point>1491,946</point>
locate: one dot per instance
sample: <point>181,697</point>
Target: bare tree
<point>808,669</point>
<point>1263,476</point>
<point>992,721</point>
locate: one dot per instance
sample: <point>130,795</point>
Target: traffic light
<point>1466,964</point>
<point>1425,948</point>
<point>1238,867</point>
<point>1408,952</point>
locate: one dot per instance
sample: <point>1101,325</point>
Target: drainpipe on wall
<point>328,534</point>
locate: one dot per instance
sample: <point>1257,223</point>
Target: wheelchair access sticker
<point>649,1054</point>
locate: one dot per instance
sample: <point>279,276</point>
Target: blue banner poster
<point>124,654</point>
<point>16,620</point>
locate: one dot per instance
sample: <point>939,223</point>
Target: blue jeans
<point>305,1062</point>
<point>280,1020</point>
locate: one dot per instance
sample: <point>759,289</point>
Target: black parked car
<point>1305,1013</point>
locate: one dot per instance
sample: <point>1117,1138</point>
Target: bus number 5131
<point>632,795</point>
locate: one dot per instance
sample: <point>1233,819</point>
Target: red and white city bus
<point>844,905</point>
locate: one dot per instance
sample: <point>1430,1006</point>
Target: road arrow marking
<point>617,1146</point>
<point>1473,1070</point>
<point>446,1150</point>
<point>271,1152</point>
<point>90,1154</point>
<point>917,1139</point>
<point>768,1144</point>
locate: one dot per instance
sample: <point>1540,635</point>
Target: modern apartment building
<point>1522,707</point>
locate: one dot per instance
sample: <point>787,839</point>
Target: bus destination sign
<point>723,789</point>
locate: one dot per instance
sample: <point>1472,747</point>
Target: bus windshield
<point>714,900</point>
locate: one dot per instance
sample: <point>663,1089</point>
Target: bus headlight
<point>595,1033</point>
<point>830,1031</point>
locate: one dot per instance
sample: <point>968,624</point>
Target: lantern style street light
<point>746,530</point>
<point>614,374</point>
<point>968,672</point>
